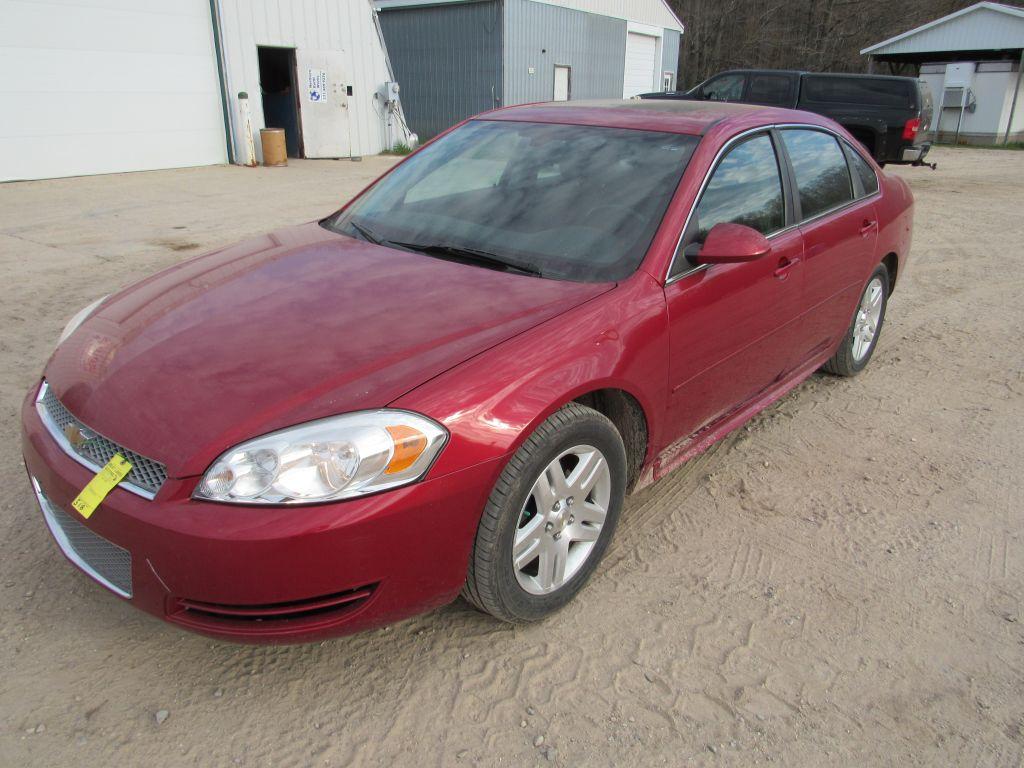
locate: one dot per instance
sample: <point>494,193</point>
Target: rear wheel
<point>549,518</point>
<point>859,343</point>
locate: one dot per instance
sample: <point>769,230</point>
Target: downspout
<point>1013,104</point>
<point>222,79</point>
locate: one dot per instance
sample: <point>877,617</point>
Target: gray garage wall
<point>670,54</point>
<point>539,36</point>
<point>447,60</point>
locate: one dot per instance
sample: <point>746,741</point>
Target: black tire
<point>844,362</point>
<point>491,583</point>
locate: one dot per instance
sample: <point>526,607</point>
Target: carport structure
<point>972,60</point>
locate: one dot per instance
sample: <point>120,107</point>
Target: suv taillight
<point>910,128</point>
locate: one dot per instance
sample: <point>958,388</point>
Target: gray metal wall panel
<point>670,54</point>
<point>539,36</point>
<point>447,60</point>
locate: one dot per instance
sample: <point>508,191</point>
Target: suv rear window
<point>859,90</point>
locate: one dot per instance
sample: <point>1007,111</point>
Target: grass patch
<point>399,149</point>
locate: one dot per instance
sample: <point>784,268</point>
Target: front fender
<point>491,403</point>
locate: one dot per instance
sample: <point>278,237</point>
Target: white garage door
<point>641,64</point>
<point>102,86</point>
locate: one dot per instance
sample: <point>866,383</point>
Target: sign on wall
<point>317,85</point>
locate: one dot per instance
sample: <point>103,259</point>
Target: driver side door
<point>732,327</point>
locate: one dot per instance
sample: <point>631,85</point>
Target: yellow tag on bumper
<point>96,491</point>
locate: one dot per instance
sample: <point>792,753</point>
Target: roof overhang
<point>1005,32</point>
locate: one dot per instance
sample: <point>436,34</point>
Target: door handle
<point>785,264</point>
<point>867,226</point>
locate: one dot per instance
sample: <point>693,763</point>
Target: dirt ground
<point>841,582</point>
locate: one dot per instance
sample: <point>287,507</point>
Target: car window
<point>723,88</point>
<point>876,91</point>
<point>822,177</point>
<point>745,188</point>
<point>770,89</point>
<point>862,171</point>
<point>574,202</point>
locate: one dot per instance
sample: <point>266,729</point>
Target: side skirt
<point>683,450</point>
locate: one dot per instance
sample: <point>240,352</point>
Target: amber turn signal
<point>409,446</point>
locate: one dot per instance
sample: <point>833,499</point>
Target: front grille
<point>106,562</point>
<point>146,476</point>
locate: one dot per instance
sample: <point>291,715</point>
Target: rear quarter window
<point>859,90</point>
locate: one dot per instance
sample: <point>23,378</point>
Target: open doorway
<point>280,92</point>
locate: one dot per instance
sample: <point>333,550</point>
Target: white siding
<point>978,28</point>
<point>653,12</point>
<point>345,26</point>
<point>105,86</point>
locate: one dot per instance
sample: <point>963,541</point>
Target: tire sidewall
<point>598,432</point>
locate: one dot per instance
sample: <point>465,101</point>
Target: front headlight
<point>80,317</point>
<point>326,460</point>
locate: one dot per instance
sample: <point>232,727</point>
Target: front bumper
<point>268,574</point>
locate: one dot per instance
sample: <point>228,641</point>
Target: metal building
<point>455,58</point>
<point>104,86</point>
<point>973,61</point>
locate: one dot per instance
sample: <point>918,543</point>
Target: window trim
<point>789,190</point>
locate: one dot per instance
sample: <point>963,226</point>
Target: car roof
<point>852,75</point>
<point>695,118</point>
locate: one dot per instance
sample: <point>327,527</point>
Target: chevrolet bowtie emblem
<point>78,436</point>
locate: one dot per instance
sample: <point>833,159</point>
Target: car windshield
<point>567,202</point>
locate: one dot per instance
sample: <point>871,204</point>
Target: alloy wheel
<point>869,314</point>
<point>561,520</point>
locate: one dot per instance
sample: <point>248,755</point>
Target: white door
<point>562,74</point>
<point>95,86</point>
<point>323,103</point>
<point>641,64</point>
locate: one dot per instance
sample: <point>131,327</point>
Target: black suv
<point>888,115</point>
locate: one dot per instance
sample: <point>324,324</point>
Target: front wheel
<point>549,518</point>
<point>861,337</point>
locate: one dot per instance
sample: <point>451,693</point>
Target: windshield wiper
<point>470,256</point>
<point>365,233</point>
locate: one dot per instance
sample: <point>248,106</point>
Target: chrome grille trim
<point>146,475</point>
<point>103,560</point>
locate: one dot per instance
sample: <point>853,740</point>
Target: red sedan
<point>450,385</point>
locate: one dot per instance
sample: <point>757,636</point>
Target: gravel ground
<point>841,582</point>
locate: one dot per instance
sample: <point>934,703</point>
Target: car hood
<point>292,326</point>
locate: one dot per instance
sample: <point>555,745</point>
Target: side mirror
<point>731,243</point>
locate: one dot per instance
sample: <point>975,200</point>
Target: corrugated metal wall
<point>324,25</point>
<point>447,60</point>
<point>538,36</point>
<point>670,54</point>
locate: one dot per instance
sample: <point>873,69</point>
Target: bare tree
<point>816,35</point>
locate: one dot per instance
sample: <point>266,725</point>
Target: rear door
<point>836,209</point>
<point>732,326</point>
<point>774,89</point>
